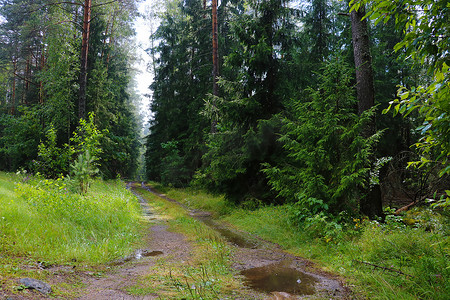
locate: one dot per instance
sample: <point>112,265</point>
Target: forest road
<point>271,273</point>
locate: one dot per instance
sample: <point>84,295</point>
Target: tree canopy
<point>265,101</point>
<point>44,54</point>
<point>287,125</point>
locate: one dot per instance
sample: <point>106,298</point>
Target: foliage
<point>426,28</point>
<point>53,161</point>
<point>327,159</point>
<point>83,169</point>
<point>232,162</point>
<point>253,92</point>
<point>443,202</point>
<point>59,76</point>
<point>182,79</point>
<point>19,138</point>
<point>432,103</point>
<point>40,66</point>
<point>173,170</point>
<point>87,137</point>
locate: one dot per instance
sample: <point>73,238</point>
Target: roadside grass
<point>207,273</point>
<point>46,222</point>
<point>407,262</point>
<point>197,199</point>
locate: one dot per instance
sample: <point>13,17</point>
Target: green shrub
<point>328,160</point>
<point>83,169</point>
<point>52,160</point>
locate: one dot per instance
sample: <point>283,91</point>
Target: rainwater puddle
<point>145,253</point>
<point>279,278</point>
<point>138,254</point>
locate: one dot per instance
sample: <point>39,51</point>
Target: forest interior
<point>285,149</point>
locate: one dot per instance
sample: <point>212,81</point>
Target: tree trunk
<point>41,83</point>
<point>363,61</point>
<point>27,77</point>
<point>13,97</point>
<point>84,58</point>
<point>370,203</point>
<point>215,60</point>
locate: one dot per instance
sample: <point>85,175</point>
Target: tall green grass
<point>47,220</point>
<point>197,199</point>
<point>420,254</point>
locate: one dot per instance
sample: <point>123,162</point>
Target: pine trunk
<point>84,58</point>
<point>215,60</point>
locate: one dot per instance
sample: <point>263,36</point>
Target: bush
<point>53,161</point>
<point>328,159</point>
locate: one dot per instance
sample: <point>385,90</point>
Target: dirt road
<point>267,271</point>
<point>172,265</point>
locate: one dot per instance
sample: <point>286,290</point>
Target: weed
<point>44,220</point>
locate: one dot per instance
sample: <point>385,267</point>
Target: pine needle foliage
<point>83,169</point>
<point>327,159</point>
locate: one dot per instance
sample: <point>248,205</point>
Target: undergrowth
<point>380,260</point>
<point>48,220</point>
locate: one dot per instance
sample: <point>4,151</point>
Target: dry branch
<point>383,268</point>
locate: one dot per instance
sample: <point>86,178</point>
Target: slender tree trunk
<point>40,62</point>
<point>84,58</point>
<point>111,40</point>
<point>41,83</point>
<point>370,203</point>
<point>27,78</point>
<point>13,97</point>
<point>215,57</point>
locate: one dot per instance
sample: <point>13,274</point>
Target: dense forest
<point>62,62</point>
<point>317,132</point>
<point>316,103</point>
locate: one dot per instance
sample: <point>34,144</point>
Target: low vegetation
<point>405,257</point>
<point>48,222</point>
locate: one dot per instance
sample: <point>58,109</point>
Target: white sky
<point>144,77</point>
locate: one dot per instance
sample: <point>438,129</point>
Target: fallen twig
<point>383,268</point>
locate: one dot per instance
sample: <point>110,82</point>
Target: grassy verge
<point>411,262</point>
<point>205,275</point>
<point>47,221</point>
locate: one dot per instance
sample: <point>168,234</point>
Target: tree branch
<point>383,268</point>
<point>24,79</point>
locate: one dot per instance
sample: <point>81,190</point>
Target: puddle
<point>279,278</point>
<point>145,253</point>
<point>138,254</point>
<point>229,235</point>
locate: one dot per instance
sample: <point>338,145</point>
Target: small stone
<point>38,285</point>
